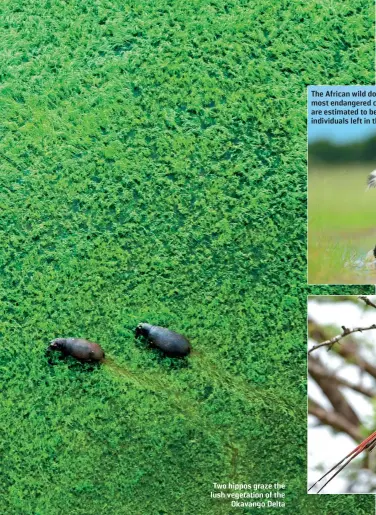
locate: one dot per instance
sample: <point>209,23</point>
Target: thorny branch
<point>348,349</point>
<point>345,332</point>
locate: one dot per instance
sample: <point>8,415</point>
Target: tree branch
<point>321,372</point>
<point>333,419</point>
<point>348,352</point>
<point>345,332</point>
<point>332,391</point>
<point>367,301</point>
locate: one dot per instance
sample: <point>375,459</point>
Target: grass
<point>341,224</point>
<point>153,169</point>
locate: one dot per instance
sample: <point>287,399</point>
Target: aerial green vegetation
<point>341,224</point>
<point>153,170</point>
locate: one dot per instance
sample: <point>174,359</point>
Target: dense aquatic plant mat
<point>153,170</point>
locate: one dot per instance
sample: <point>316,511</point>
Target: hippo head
<point>139,330</point>
<point>56,344</point>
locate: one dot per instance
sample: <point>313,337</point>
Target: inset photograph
<point>341,394</point>
<point>341,184</point>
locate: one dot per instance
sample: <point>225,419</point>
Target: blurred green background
<point>341,223</point>
<point>153,169</point>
